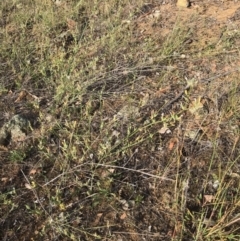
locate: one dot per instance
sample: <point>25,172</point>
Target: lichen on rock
<point>14,130</point>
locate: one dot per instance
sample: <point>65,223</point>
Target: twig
<point>138,171</point>
<point>108,166</point>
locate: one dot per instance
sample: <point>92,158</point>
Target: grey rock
<point>14,130</point>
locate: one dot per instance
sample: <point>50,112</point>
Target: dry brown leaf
<point>97,219</point>
<point>71,24</point>
<point>26,95</point>
<point>3,148</point>
<point>4,179</point>
<point>208,198</point>
<point>32,171</point>
<point>123,216</point>
<point>28,186</point>
<point>161,91</point>
<point>172,143</point>
<point>22,95</point>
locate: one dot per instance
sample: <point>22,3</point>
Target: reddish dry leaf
<point>171,145</point>
<point>172,142</point>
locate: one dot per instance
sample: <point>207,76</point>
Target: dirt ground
<point>192,153</point>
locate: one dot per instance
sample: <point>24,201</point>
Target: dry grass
<point>109,155</point>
